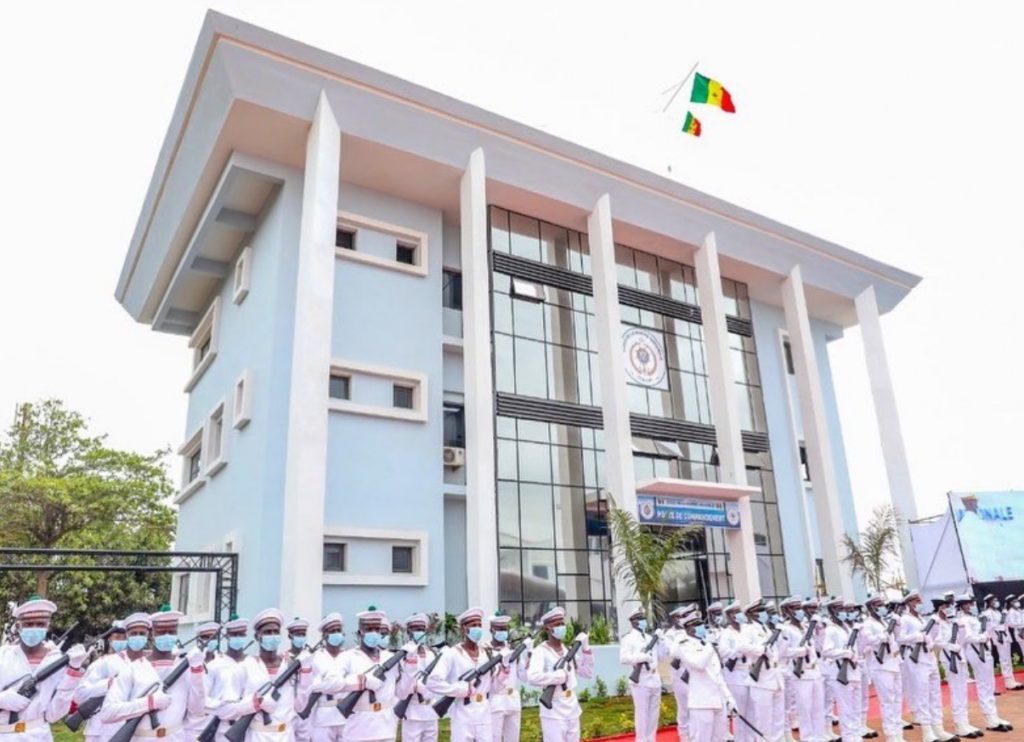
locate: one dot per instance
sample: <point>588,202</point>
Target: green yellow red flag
<point>706,90</point>
<point>691,125</point>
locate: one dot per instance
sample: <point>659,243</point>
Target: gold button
<point>376,707</point>
<point>568,694</point>
<point>20,727</point>
<point>479,698</point>
<point>161,732</point>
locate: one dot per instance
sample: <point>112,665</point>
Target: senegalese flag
<point>691,125</point>
<point>706,90</point>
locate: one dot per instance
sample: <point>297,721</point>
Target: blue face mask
<point>883,612</point>
<point>419,636</point>
<point>336,638</point>
<point>237,643</point>
<point>371,639</point>
<point>558,632</point>
<point>762,616</point>
<point>137,642</point>
<point>270,642</point>
<point>119,645</point>
<point>720,620</point>
<point>701,631</point>
<point>741,618</point>
<point>165,642</point>
<point>642,624</point>
<point>974,610</point>
<point>32,637</point>
<point>799,615</point>
<point>501,636</point>
<point>299,642</point>
<point>475,634</point>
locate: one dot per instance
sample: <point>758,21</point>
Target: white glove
<point>649,658</point>
<point>462,690</point>
<point>730,706</point>
<point>657,632</point>
<point>159,700</point>
<point>266,703</point>
<point>504,653</point>
<point>584,640</point>
<point>76,656</point>
<point>195,657</point>
<point>11,700</point>
<point>372,682</point>
<point>528,641</point>
<point>305,660</point>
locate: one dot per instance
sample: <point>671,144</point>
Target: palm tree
<point>877,550</point>
<point>640,553</point>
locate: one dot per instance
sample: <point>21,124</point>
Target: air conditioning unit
<point>454,457</point>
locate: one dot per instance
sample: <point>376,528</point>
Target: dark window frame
<point>451,289</point>
<point>342,560</point>
<point>400,566</point>
<point>452,410</point>
<point>345,238</point>
<point>338,377</point>
<point>405,253</point>
<point>398,402</point>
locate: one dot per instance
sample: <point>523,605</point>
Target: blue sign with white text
<point>688,511</point>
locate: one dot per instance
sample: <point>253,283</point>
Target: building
<point>432,347</point>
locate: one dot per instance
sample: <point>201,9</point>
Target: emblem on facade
<point>645,357</point>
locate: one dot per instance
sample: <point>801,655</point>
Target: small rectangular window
<point>183,584</point>
<point>204,350</point>
<point>334,557</point>
<point>526,290</point>
<point>454,426</point>
<point>340,386</point>
<point>216,432</point>
<point>405,254</point>
<point>345,239</point>
<point>788,350</point>
<point>403,397</point>
<point>195,464</point>
<point>401,559</point>
<point>805,467</point>
<point>451,290</point>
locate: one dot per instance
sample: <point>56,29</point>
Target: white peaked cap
<point>267,615</point>
<point>469,614</point>
<point>237,623</point>
<point>207,627</point>
<point>332,617</point>
<point>417,618</point>
<point>35,607</point>
<point>297,624</point>
<point>553,615</point>
<point>137,619</point>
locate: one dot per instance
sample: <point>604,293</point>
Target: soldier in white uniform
<point>646,650</point>
<point>951,658</point>
<point>561,722</point>
<point>854,618</point>
<point>138,688</point>
<point>736,653</point>
<point>28,719</point>
<point>882,664</point>
<point>1015,620</point>
<point>715,621</point>
<point>917,631</point>
<point>97,681</point>
<point>420,723</point>
<point>708,700</point>
<point>225,676</point>
<point>838,652</point>
<point>1001,639</point>
<point>357,671</point>
<point>205,633</point>
<point>326,724</point>
<point>506,706</point>
<point>801,666</point>
<point>980,659</point>
<point>298,629</point>
<point>676,634</point>
<point>767,709</point>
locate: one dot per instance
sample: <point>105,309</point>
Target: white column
<point>816,433</point>
<point>618,444</point>
<point>481,493</point>
<point>306,454</point>
<point>901,490</point>
<point>731,463</point>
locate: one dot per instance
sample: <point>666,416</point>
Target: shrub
<point>600,631</point>
<point>593,730</point>
<point>584,695</point>
<point>600,688</point>
<point>621,686</point>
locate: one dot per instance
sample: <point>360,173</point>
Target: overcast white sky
<point>894,130</point>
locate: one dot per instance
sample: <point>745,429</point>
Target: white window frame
<point>205,330</point>
<point>404,235</point>
<point>418,540</point>
<point>242,275</point>
<point>196,440</point>
<point>414,379</point>
<point>241,401</point>
<point>212,464</point>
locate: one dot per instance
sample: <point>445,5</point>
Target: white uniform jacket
<point>417,660</point>
<point>835,647</point>
<point>998,631</point>
<point>50,703</point>
<point>633,651</point>
<point>911,633</point>
<point>878,641</point>
<point>512,678</point>
<point>707,685</point>
<point>946,646</point>
<point>472,700</point>
<point>541,673</point>
<point>791,647</point>
<point>277,722</point>
<point>972,635</point>
<point>97,681</point>
<point>736,652</point>
<point>128,696</point>
<point>757,636</point>
<point>372,717</point>
<point>326,713</point>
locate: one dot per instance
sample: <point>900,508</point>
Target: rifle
<point>980,648</point>
<point>30,683</point>
<point>916,651</point>
<point>470,676</point>
<point>403,706</point>
<point>798,663</point>
<point>634,677</point>
<point>210,730</point>
<point>762,660</point>
<point>127,730</point>
<point>548,694</point>
<point>348,704</point>
<point>880,654</point>
<point>90,706</point>
<point>951,656</point>
<point>844,663</point>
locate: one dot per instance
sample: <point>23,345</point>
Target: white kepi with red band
<point>28,719</point>
<point>562,720</point>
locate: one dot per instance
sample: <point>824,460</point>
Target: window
<point>451,290</point>
<point>788,351</point>
<point>819,570</point>
<point>192,460</point>
<point>215,441</point>
<point>334,557</point>
<point>241,402</point>
<point>402,396</point>
<point>454,426</point>
<point>204,343</point>
<point>805,467</point>
<point>183,583</point>
<point>243,274</point>
<point>195,465</point>
<point>345,239</point>
<point>340,386</point>
<point>401,559</point>
<point>204,350</point>
<point>526,290</point>
<point>405,253</point>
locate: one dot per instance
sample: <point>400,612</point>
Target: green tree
<point>61,487</point>
<point>640,554</point>
<point>875,553</point>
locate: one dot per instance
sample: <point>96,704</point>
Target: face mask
<point>883,612</point>
<point>298,642</point>
<point>974,610</point>
<point>799,615</point>
<point>371,639</point>
<point>762,616</point>
<point>236,643</point>
<point>270,642</point>
<point>558,632</point>
<point>741,618</point>
<point>720,620</point>
<point>335,639</point>
<point>119,645</point>
<point>501,636</point>
<point>165,642</point>
<point>137,642</point>
<point>995,605</point>
<point>475,634</point>
<point>32,637</point>
<point>950,612</point>
<point>1015,604</point>
<point>420,636</point>
<point>642,624</point>
<point>700,632</point>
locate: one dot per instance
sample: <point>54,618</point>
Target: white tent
<point>940,562</point>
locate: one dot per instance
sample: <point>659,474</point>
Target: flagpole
<point>680,86</point>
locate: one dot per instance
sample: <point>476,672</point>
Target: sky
<point>891,128</point>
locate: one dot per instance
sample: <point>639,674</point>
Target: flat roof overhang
<point>250,91</point>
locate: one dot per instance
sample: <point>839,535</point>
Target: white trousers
<point>848,701</point>
<point>419,730</point>
<point>707,725</point>
<point>809,699</point>
<point>741,694</point>
<point>865,695</point>
<point>476,732</point>
<point>767,712</point>
<point>322,733</point>
<point>927,692</point>
<point>889,690</point>
<point>1006,662</point>
<point>984,680</point>
<point>789,687</point>
<point>560,730</point>
<point>646,706</point>
<point>957,692</point>
<point>830,703</point>
<point>909,696</point>
<point>682,693</point>
<point>504,726</point>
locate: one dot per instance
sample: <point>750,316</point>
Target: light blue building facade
<point>432,348</point>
